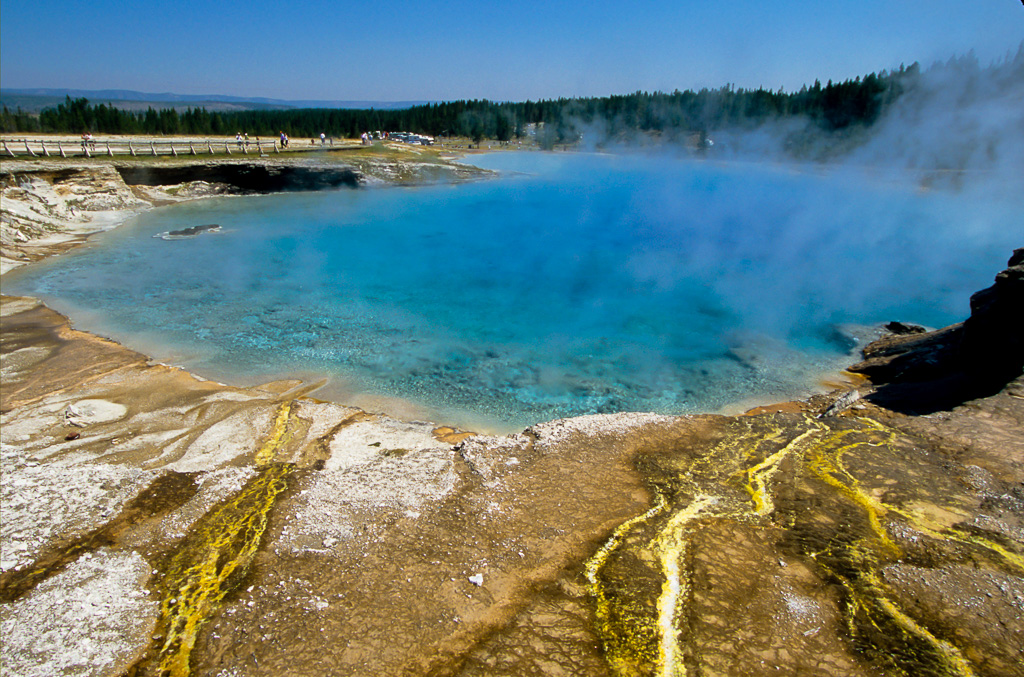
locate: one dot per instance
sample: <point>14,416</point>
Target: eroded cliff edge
<point>154,522</point>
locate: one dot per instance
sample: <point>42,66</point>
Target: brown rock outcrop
<point>927,372</point>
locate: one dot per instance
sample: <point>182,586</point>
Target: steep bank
<point>245,177</point>
<point>154,521</point>
<point>47,208</point>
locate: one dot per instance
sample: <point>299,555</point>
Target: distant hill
<point>35,100</point>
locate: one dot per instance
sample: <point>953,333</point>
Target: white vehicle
<point>413,139</point>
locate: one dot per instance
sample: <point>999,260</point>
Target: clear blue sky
<point>393,50</point>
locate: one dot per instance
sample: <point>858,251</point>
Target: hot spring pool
<point>574,284</point>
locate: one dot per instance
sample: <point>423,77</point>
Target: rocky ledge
<point>46,208</point>
<point>245,177</point>
<point>923,372</point>
<point>158,524</point>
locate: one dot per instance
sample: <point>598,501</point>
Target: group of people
<point>369,137</point>
<point>243,139</point>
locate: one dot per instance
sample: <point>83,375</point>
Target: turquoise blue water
<point>573,284</point>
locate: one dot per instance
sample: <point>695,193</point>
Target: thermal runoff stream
<point>572,284</point>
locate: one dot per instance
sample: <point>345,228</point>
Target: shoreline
<point>78,225</point>
<point>143,198</point>
<point>832,534</point>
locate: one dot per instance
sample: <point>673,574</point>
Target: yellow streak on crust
<point>758,475</point>
<point>630,634</point>
<point>671,547</point>
<point>218,550</point>
<point>220,547</point>
<point>619,663</point>
<point>278,435</point>
<point>826,463</point>
<point>950,655</point>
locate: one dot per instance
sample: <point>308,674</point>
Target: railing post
<point>29,150</point>
<point>209,146</point>
<point>61,149</point>
<point>191,150</point>
<point>109,152</point>
<point>173,151</point>
<point>131,151</point>
<point>152,147</point>
<point>227,148</point>
<point>45,152</point>
<point>8,150</point>
<point>277,148</point>
<point>85,149</point>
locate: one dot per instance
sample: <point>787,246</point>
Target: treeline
<point>77,116</point>
<point>833,106</point>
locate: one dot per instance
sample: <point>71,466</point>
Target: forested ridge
<point>833,106</point>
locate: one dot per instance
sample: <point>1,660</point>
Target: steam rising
<point>955,123</point>
<point>956,116</point>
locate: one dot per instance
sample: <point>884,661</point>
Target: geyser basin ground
<point>583,284</point>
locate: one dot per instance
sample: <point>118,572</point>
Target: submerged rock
<point>900,328</point>
<point>185,233</point>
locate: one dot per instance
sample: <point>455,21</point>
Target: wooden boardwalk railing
<point>134,147</point>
